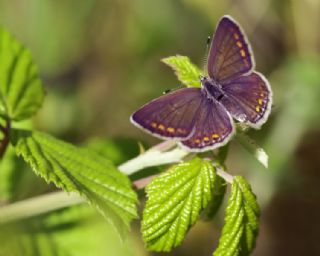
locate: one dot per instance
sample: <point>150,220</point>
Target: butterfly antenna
<point>205,59</point>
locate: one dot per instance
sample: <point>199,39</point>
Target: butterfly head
<point>203,79</point>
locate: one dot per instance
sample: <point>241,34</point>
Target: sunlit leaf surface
<point>82,171</point>
<point>186,71</point>
<point>175,200</point>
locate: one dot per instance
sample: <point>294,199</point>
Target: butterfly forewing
<point>213,127</point>
<point>248,98</point>
<point>171,115</point>
<point>229,54</point>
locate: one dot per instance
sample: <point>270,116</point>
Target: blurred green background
<point>100,61</point>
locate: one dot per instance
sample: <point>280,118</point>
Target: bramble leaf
<point>241,221</point>
<point>82,171</point>
<point>187,73</point>
<point>21,91</point>
<point>175,200</point>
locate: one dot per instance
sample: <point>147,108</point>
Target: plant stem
<point>226,176</point>
<point>38,205</point>
<point>153,157</point>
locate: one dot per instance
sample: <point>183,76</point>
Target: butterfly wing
<point>230,54</point>
<point>213,127</point>
<point>171,115</point>
<point>248,98</point>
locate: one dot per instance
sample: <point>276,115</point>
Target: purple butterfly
<point>201,118</point>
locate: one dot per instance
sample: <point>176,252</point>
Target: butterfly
<point>201,119</point>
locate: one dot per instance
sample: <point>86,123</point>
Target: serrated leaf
<point>21,91</point>
<point>175,200</point>
<point>241,221</point>
<point>187,73</point>
<point>253,148</point>
<point>79,170</point>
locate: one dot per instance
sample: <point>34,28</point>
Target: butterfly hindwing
<point>171,115</point>
<point>213,127</point>
<point>230,55</point>
<point>248,98</point>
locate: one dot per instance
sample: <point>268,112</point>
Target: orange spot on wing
<point>161,127</point>
<point>170,129</point>
<point>260,102</point>
<point>215,136</point>
<point>239,44</point>
<point>206,138</point>
<point>236,36</point>
<point>257,108</point>
<point>242,53</point>
<point>154,125</point>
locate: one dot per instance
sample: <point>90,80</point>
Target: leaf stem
<point>226,176</point>
<point>153,157</point>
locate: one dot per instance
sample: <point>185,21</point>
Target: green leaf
<point>252,147</point>
<point>175,200</point>
<point>188,73</point>
<point>21,91</point>
<point>82,171</point>
<point>241,221</point>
